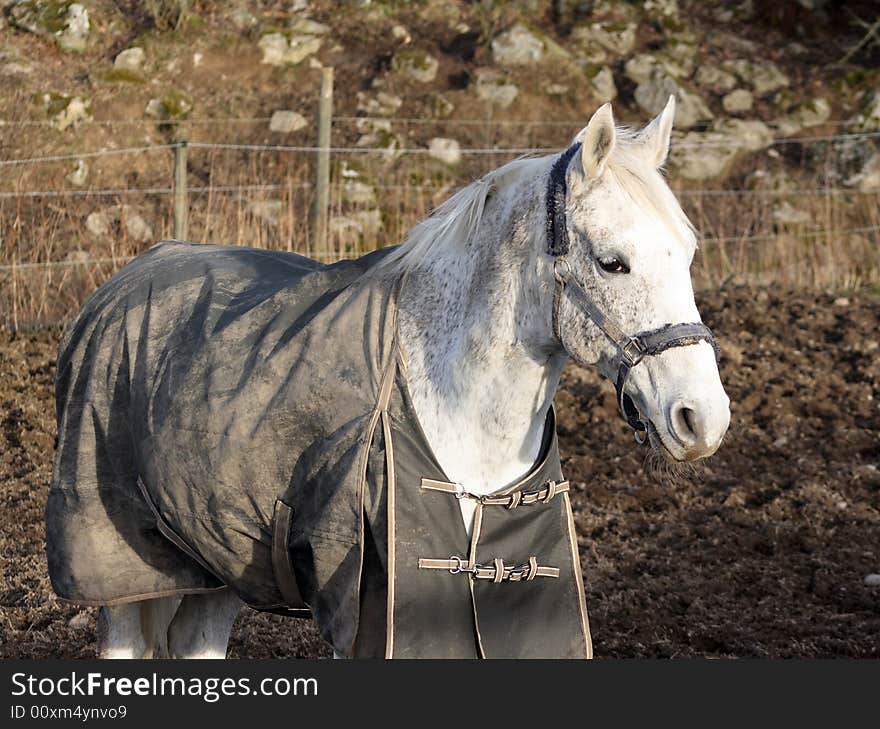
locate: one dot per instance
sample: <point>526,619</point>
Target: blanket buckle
<point>461,566</point>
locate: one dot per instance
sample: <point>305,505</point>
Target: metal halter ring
<point>640,434</point>
<point>560,277</point>
<point>461,566</point>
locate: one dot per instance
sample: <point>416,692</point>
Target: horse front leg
<point>202,625</point>
<point>136,629</point>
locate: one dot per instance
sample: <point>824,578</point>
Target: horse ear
<point>655,137</point>
<point>597,141</point>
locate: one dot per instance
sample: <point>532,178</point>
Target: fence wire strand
<point>352,186</point>
<point>326,256</point>
<point>393,151</point>
<point>350,119</point>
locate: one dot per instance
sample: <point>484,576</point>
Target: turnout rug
<point>237,418</point>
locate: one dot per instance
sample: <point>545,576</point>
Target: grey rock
<point>738,101</point>
<point>602,85</point>
<point>306,26</point>
<point>713,78</point>
<point>706,155</point>
<point>382,104</point>
<point>99,223</point>
<point>446,150</point>
<point>154,109</point>
<point>679,58</point>
<point>652,95</point>
<point>372,125</point>
<point>131,59</point>
<point>279,50</point>
<point>495,87</point>
<point>749,135</point>
<point>872,580</point>
<point>762,76</point>
<point>866,179</point>
<point>80,173</point>
<point>639,68</point>
<point>103,222</point>
<point>138,228</point>
<point>400,33</point>
<point>75,35</point>
<point>661,8</point>
<point>378,135</point>
<point>68,112</point>
<point>286,121</point>
<point>416,65</point>
<point>517,47</point>
<point>642,66</point>
<point>807,114</point>
<point>596,40</point>
<point>64,21</point>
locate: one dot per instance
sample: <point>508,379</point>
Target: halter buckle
<point>632,352</point>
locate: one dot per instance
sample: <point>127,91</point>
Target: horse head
<point>621,250</point>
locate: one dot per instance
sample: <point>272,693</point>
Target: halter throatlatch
<point>631,349</point>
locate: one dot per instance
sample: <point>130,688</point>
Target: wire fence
<point>385,150</point>
<point>353,186</point>
<point>344,119</point>
<point>830,225</point>
<point>326,256</point>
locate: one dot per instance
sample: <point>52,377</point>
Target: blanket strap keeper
<point>285,578</point>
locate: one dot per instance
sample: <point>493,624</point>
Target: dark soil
<point>762,551</point>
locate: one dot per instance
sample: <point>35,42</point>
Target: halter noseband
<point>631,349</point>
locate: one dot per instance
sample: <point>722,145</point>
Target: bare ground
<point>762,551</point>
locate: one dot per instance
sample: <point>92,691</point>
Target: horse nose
<point>699,428</point>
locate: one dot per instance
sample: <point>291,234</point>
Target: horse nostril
<point>688,416</point>
<point>686,425</point>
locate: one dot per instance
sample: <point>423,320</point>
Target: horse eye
<point>613,265</point>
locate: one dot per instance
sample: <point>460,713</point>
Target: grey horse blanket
<point>236,418</point>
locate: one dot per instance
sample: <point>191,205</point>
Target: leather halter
<point>631,349</point>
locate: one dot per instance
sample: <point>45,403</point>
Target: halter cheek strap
<point>631,349</point>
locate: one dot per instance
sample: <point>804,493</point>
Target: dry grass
<point>742,238</point>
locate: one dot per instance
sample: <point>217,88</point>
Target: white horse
<point>487,343</point>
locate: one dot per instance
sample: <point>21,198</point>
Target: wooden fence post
<point>180,198</point>
<point>320,213</point>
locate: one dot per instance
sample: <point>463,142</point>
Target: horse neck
<point>483,364</point>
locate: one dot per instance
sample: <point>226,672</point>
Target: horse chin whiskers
<point>662,466</point>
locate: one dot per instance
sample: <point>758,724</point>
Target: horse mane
<point>454,221</point>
